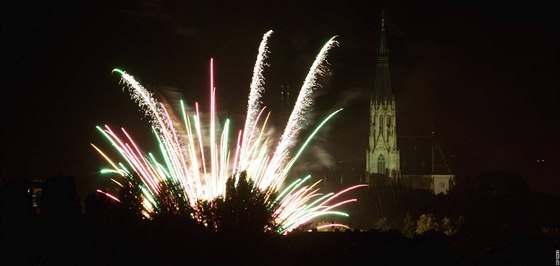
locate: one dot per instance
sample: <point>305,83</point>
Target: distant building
<point>382,155</point>
<point>424,166</point>
<point>36,191</point>
<point>413,162</point>
<point>51,193</point>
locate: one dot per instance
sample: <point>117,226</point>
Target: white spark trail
<point>296,117</point>
<point>254,101</point>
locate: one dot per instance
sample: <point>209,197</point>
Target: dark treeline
<point>489,219</point>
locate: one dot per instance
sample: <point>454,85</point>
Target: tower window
<point>381,164</point>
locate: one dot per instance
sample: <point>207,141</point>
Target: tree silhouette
<point>173,201</point>
<point>243,210</point>
<point>426,222</point>
<point>60,199</point>
<point>130,195</point>
<point>409,226</point>
<point>15,222</point>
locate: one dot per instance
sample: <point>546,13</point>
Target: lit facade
<point>382,155</point>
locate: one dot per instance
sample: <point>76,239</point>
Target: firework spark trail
<point>132,159</point>
<point>108,195</point>
<point>213,149</point>
<point>160,120</point>
<point>144,99</point>
<point>332,226</point>
<point>289,165</point>
<point>254,101</point>
<point>184,156</point>
<point>297,116</point>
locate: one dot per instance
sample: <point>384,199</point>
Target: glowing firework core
<point>198,166</point>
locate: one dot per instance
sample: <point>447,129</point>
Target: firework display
<point>196,161</point>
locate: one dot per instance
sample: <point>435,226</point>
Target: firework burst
<point>197,166</point>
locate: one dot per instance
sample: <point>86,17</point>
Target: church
<point>386,162</point>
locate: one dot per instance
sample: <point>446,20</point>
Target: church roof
<point>416,153</point>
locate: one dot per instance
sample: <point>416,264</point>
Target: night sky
<point>483,74</point>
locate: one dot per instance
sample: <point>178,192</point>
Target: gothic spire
<point>382,85</point>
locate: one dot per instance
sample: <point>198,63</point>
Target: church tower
<point>382,155</point>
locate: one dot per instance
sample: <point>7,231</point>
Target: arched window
<point>381,164</point>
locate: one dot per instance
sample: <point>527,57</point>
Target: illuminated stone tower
<point>382,156</point>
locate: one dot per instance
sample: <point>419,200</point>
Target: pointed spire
<point>382,85</point>
<point>382,49</point>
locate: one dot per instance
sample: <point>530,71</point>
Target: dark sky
<point>484,74</point>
